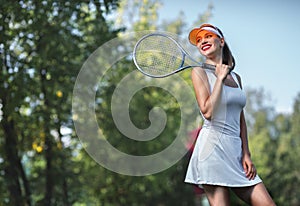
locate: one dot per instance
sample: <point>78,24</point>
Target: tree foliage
<point>43,44</point>
<point>274,144</point>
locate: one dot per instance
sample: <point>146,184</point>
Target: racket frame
<point>183,52</point>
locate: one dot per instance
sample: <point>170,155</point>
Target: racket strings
<point>158,55</point>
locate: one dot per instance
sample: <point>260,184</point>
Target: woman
<point>221,158</point>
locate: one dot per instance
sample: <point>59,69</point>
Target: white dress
<point>217,155</point>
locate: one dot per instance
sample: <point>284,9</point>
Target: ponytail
<point>228,59</point>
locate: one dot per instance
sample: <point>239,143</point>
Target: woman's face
<point>209,43</point>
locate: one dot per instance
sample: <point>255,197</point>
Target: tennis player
<point>221,159</point>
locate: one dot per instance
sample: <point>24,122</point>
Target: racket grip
<point>209,66</point>
<point>212,67</point>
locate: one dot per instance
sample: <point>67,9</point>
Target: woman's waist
<point>222,127</point>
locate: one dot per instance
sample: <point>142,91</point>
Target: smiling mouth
<point>206,47</point>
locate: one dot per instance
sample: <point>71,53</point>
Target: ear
<point>222,42</point>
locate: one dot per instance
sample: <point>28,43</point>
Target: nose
<point>204,41</point>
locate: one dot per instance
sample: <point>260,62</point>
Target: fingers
<point>250,172</point>
<point>245,168</point>
<point>249,168</point>
<point>221,71</point>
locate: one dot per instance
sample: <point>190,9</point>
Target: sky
<point>264,37</point>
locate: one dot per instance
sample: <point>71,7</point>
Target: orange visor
<point>194,34</point>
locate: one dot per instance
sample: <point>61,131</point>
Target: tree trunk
<point>48,142</point>
<point>49,171</point>
<point>11,164</point>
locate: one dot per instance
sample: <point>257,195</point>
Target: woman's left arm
<point>248,165</point>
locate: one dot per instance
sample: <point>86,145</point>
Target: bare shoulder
<point>199,73</point>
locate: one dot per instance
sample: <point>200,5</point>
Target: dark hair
<point>227,57</point>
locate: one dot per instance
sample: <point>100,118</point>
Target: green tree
<point>274,144</point>
<point>137,15</point>
<point>287,165</point>
<point>43,44</point>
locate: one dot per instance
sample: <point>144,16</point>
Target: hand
<point>249,167</point>
<point>221,71</point>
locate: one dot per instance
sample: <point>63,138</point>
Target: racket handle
<point>209,66</point>
<point>212,67</point>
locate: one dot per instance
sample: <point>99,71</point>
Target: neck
<point>214,60</point>
<point>215,57</point>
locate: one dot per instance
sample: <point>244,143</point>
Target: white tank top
<point>226,117</point>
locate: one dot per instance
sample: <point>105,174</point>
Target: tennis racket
<point>159,55</point>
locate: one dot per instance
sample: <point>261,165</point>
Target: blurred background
<point>43,45</point>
